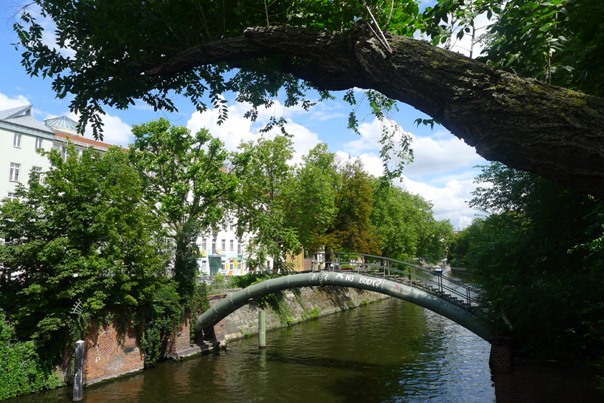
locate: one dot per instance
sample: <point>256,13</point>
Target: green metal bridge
<point>443,295</point>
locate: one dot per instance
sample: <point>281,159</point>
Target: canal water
<point>389,351</point>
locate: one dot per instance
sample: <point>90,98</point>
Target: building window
<point>231,245</point>
<point>239,247</point>
<point>213,246</point>
<point>203,244</point>
<point>203,266</point>
<point>12,196</point>
<point>38,143</point>
<point>14,172</point>
<point>36,172</point>
<point>17,140</point>
<point>64,153</point>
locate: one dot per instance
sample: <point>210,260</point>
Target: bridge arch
<point>435,303</point>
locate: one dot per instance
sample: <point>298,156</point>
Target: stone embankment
<point>302,304</point>
<point>110,354</point>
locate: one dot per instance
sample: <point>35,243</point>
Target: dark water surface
<point>390,351</point>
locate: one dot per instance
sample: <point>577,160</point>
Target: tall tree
<point>119,54</point>
<point>263,198</point>
<point>313,199</point>
<point>352,229</point>
<point>187,183</point>
<point>406,224</point>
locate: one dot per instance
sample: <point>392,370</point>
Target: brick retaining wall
<point>110,354</point>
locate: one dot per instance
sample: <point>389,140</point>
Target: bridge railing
<point>416,276</point>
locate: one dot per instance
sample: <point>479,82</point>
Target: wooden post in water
<point>78,376</point>
<point>261,329</point>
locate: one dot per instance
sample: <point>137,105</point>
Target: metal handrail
<point>440,285</point>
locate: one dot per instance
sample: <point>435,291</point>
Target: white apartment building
<point>222,252</point>
<point>21,136</point>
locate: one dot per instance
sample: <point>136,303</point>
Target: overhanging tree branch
<point>525,124</point>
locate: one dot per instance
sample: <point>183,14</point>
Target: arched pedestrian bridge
<point>431,290</point>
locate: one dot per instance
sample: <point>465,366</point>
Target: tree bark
<point>554,132</point>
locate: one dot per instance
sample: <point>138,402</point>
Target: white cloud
<point>450,201</point>
<point>325,111</point>
<point>433,155</point>
<point>465,45</point>
<point>371,162</point>
<point>442,171</point>
<point>8,103</point>
<point>441,153</point>
<point>370,134</point>
<point>115,130</point>
<point>237,129</point>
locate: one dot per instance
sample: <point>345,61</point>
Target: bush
<point>163,317</point>
<point>20,368</point>
<point>218,282</point>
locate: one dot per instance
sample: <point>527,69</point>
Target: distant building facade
<point>22,136</point>
<point>223,252</point>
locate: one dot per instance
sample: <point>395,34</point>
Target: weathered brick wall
<point>110,354</point>
<point>180,344</point>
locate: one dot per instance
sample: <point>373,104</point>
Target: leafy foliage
<point>21,370</point>
<point>556,41</point>
<point>122,58</point>
<point>161,316</point>
<point>263,200</point>
<point>312,206</point>
<point>448,21</point>
<point>188,185</point>
<point>137,38</point>
<point>406,224</point>
<point>539,263</point>
<point>352,229</point>
<point>84,234</point>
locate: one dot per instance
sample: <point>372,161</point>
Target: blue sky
<point>442,172</point>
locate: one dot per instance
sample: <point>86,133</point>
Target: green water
<point>390,351</point>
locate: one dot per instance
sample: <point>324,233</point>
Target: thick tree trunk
<point>554,132</point>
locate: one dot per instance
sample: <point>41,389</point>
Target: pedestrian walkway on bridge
<point>432,290</point>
